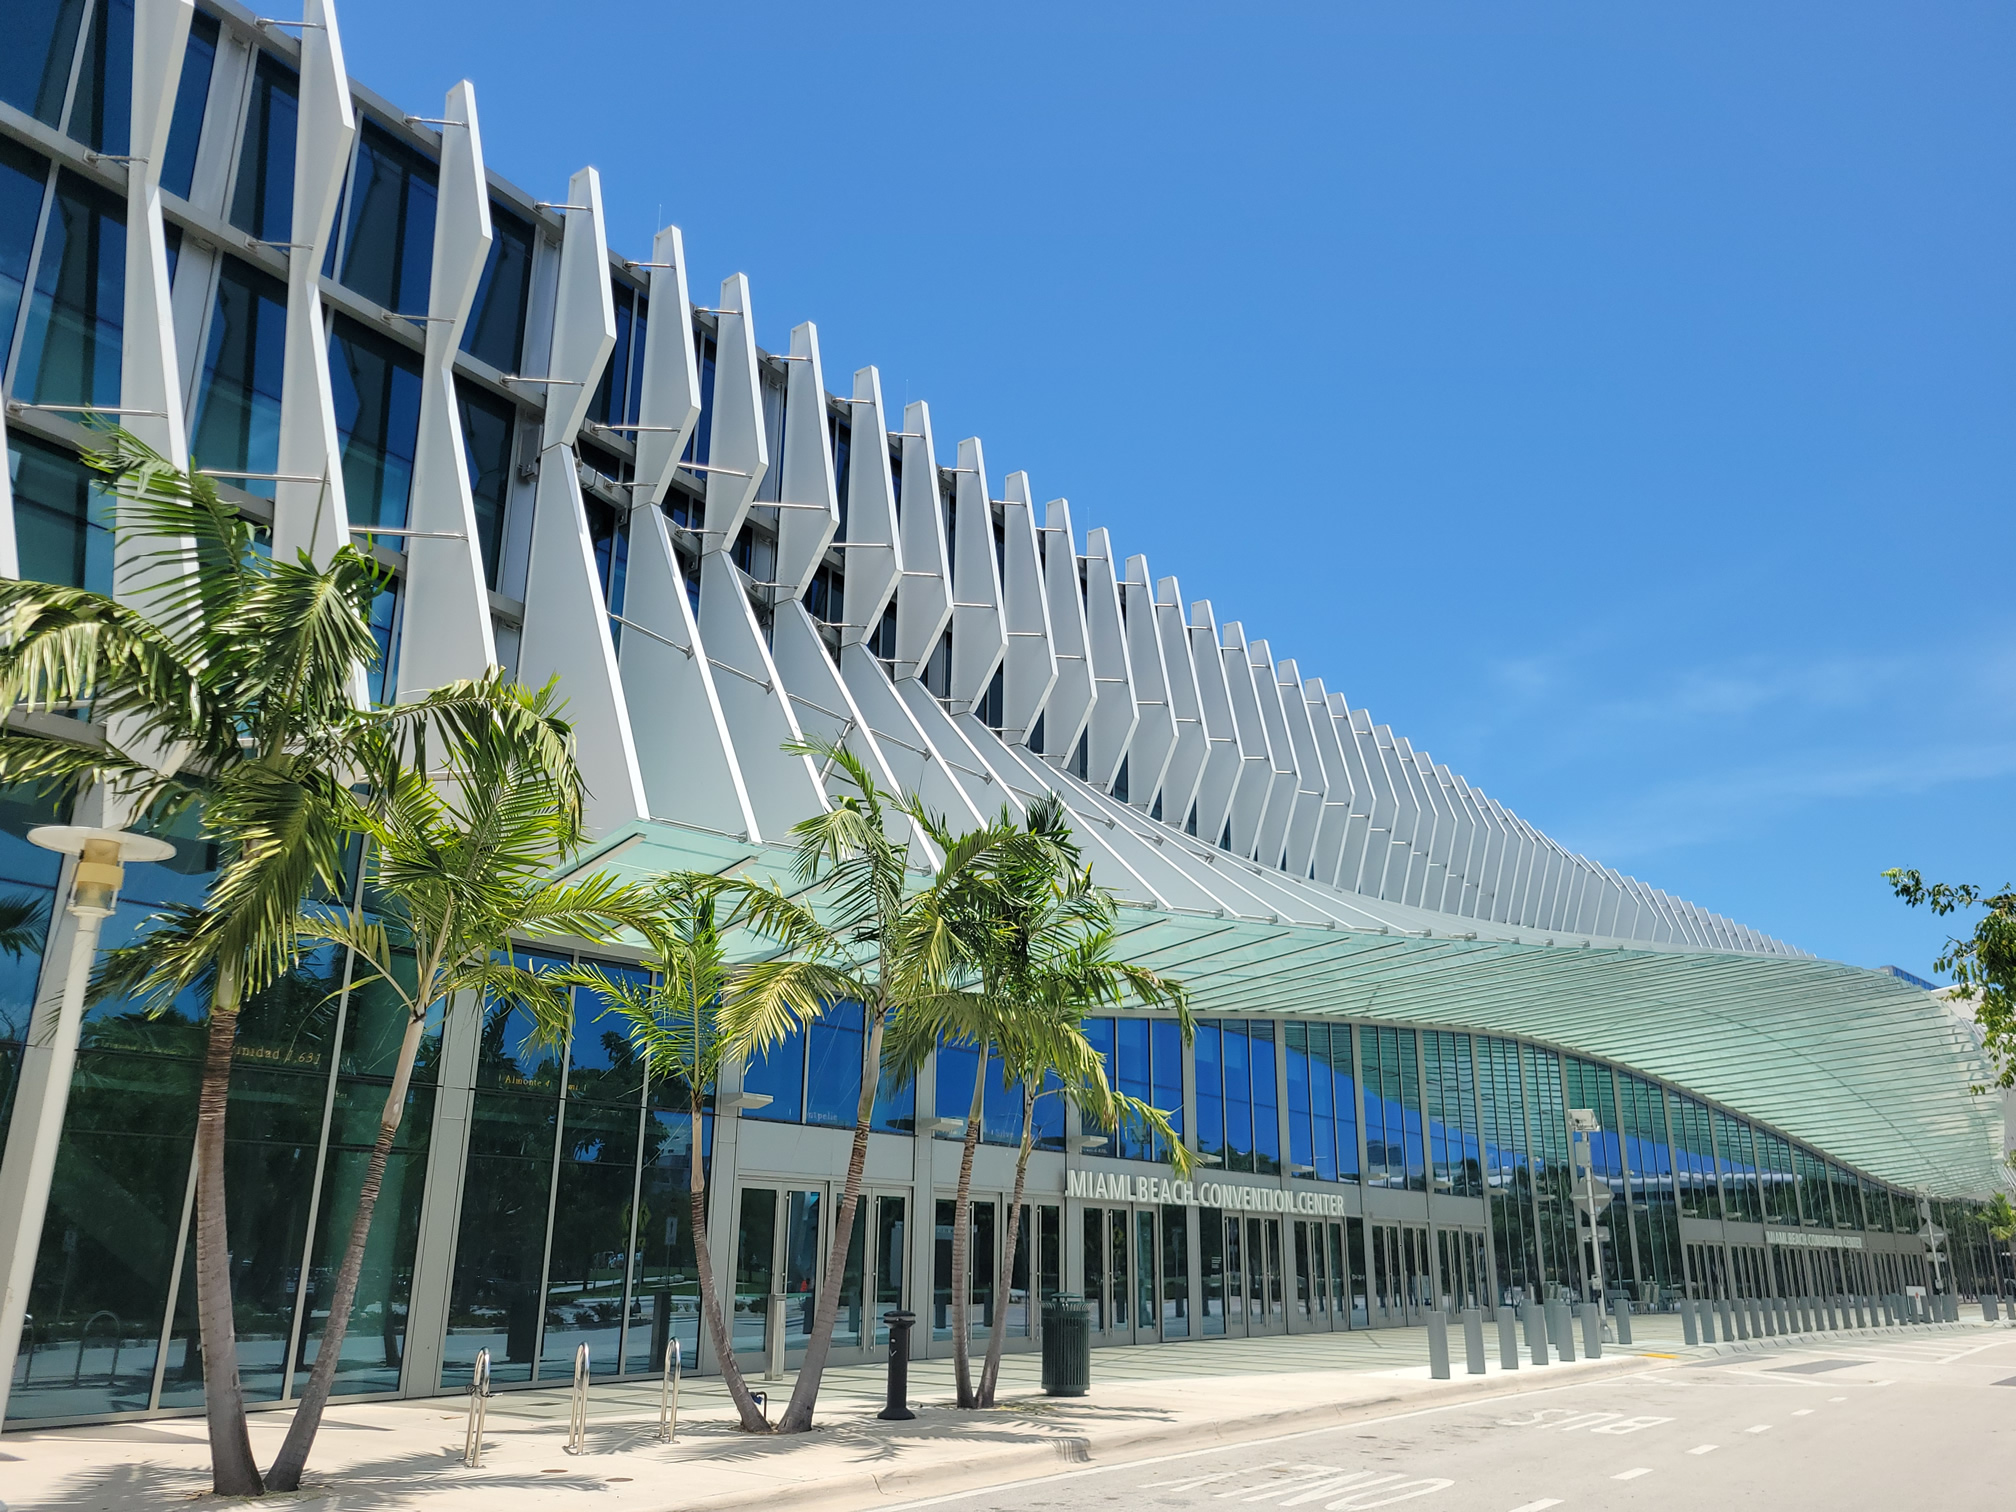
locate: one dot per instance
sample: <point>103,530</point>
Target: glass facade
<point>69,351</point>
<point>386,229</point>
<point>262,196</point>
<point>237,420</point>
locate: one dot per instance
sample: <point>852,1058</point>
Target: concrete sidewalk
<point>394,1456</point>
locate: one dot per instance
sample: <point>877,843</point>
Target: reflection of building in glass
<point>1405,990</point>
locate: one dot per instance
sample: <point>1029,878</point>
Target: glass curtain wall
<point>1393,1151</point>
<point>1455,1159</point>
<point>1655,1219</point>
<point>1144,1059</point>
<point>813,1076</point>
<point>1509,1167</point>
<point>1322,1102</point>
<point>1594,1087</point>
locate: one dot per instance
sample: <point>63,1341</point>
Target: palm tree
<point>1046,1044</point>
<point>888,947</point>
<point>1036,936</point>
<point>2000,1219</point>
<point>241,671</point>
<point>693,1015</point>
<point>461,844</point>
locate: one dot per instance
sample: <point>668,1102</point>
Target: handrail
<point>577,1413</point>
<point>479,1400</point>
<point>668,1395</point>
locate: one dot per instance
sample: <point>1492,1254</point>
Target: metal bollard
<point>1738,1318</point>
<point>1889,1316</point>
<point>1438,1346</point>
<point>1834,1314</point>
<point>1688,1328</point>
<point>577,1410</point>
<point>1710,1313</point>
<point>1592,1331</point>
<point>1536,1332</point>
<point>668,1394</point>
<point>773,1339</point>
<point>896,1407</point>
<point>1508,1339</point>
<point>479,1403</point>
<point>1989,1312</point>
<point>1473,1340</point>
<point>1623,1316</point>
<point>1561,1331</point>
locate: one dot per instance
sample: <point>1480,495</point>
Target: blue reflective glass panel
<point>35,63</point>
<point>388,222</point>
<point>376,385</point>
<point>779,1074</point>
<point>833,1067</point>
<point>238,407</point>
<point>70,349</point>
<point>185,130</point>
<point>262,200</point>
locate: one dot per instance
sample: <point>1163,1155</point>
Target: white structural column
<point>1030,671</point>
<point>820,700</point>
<point>738,447</point>
<point>668,398</point>
<point>1115,713</point>
<point>311,515</point>
<point>1433,862</point>
<point>873,551</point>
<point>1333,830</point>
<point>1218,783</point>
<point>150,376</point>
<point>1186,707</point>
<point>1069,710</point>
<point>1272,841</point>
<point>566,632</point>
<point>924,605</point>
<point>1358,826</point>
<point>1312,772</point>
<point>979,637</point>
<point>783,788</point>
<point>1155,726</point>
<point>685,755</point>
<point>910,753</point>
<point>444,559</point>
<point>1254,790</point>
<point>808,508</point>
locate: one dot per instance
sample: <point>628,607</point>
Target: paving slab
<point>407,1455</point>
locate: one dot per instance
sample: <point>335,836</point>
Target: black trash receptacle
<point>1067,1346</point>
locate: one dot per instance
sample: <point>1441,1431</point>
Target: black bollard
<point>897,1409</point>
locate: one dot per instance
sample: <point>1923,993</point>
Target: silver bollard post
<point>1592,1331</point>
<point>479,1400</point>
<point>1536,1332</point>
<point>1438,1345</point>
<point>1989,1312</point>
<point>1689,1330</point>
<point>1561,1331</point>
<point>1622,1314</point>
<point>668,1394</point>
<point>1473,1340</point>
<point>773,1340</point>
<point>1740,1312</point>
<point>1709,1314</point>
<point>1508,1339</point>
<point>577,1410</point>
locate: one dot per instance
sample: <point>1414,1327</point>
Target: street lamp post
<point>43,1090</point>
<point>1583,1125</point>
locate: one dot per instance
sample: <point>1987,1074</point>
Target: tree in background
<point>1983,964</point>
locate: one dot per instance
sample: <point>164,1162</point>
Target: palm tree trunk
<point>805,1391</point>
<point>997,1336</point>
<point>293,1457</point>
<point>233,1471</point>
<point>710,1298</point>
<point>962,1216</point>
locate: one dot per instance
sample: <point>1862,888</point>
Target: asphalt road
<point>1925,1423</point>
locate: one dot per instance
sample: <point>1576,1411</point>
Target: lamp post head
<point>102,855</point>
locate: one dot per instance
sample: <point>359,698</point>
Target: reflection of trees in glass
<point>24,919</point>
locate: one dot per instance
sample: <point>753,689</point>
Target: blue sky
<point>1616,400</point>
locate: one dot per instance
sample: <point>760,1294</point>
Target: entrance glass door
<point>982,1256</point>
<point>778,1236</point>
<point>1402,1277</point>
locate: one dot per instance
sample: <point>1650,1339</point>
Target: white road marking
<point>1362,1480</point>
<point>1884,1383</point>
<point>1837,1399</point>
<point>1308,1475</point>
<point>1760,1428</point>
<point>1802,1412</point>
<point>1193,1482</point>
<point>1538,1506</point>
<point>1703,1449</point>
<point>1632,1474</point>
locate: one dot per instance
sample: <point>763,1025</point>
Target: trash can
<point>1067,1346</point>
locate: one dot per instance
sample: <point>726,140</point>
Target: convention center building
<point>1407,996</point>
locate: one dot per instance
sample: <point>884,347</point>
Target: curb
<point>978,1470</point>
